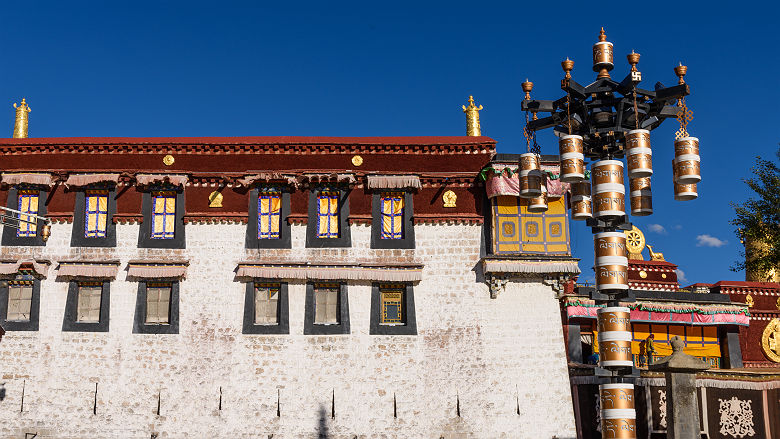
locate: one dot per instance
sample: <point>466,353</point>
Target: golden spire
<point>22,119</point>
<point>472,118</point>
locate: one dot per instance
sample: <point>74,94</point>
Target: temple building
<point>288,287</point>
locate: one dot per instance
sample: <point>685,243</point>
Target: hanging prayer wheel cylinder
<point>530,183</point>
<point>609,199</point>
<point>611,273</point>
<point>641,197</point>
<point>529,161</point>
<point>538,204</point>
<point>686,145</point>
<point>606,171</point>
<point>581,207</point>
<point>687,168</point>
<point>618,424</point>
<point>614,318</point>
<point>615,350</point>
<point>608,244</point>
<point>639,155</point>
<point>683,192</point>
<point>603,56</point>
<point>617,396</point>
<point>572,167</point>
<point>581,188</point>
<point>570,143</point>
<point>638,139</point>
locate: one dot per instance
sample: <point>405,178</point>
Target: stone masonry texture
<point>501,360</point>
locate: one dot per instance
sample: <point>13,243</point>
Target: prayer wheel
<point>639,155</point>
<point>617,396</point>
<point>610,244</point>
<point>581,207</point>
<point>606,171</point>
<point>572,159</point>
<point>581,188</point>
<point>614,319</point>
<point>603,56</point>
<point>688,168</point>
<point>618,424</point>
<point>683,192</point>
<point>609,199</point>
<point>611,273</point>
<point>538,204</point>
<point>641,197</point>
<point>686,146</point>
<point>529,161</point>
<point>615,350</point>
<point>530,183</point>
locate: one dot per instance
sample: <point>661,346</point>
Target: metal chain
<point>527,134</point>
<point>636,110</point>
<point>684,115</point>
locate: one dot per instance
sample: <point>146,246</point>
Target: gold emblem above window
<point>450,199</point>
<point>770,340</point>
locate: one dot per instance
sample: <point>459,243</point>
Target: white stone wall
<point>495,355</point>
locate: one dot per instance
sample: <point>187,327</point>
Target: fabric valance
<point>157,270</point>
<point>380,273</point>
<point>655,312</point>
<point>39,178</point>
<point>394,182</point>
<point>268,177</point>
<point>11,268</point>
<point>529,266</point>
<point>103,270</point>
<point>79,180</point>
<point>174,179</point>
<point>504,180</point>
<point>315,178</point>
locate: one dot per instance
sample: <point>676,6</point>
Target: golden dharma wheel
<point>635,240</point>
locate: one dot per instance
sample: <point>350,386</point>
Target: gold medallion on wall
<point>450,199</point>
<point>770,340</point>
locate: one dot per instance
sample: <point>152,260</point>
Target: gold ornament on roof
<point>778,303</point>
<point>749,301</point>
<point>770,340</point>
<point>215,199</point>
<point>357,160</point>
<point>22,120</point>
<point>635,242</point>
<point>653,255</point>
<point>168,160</point>
<point>449,199</point>
<point>472,118</point>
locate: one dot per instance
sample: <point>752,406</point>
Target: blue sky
<point>403,69</point>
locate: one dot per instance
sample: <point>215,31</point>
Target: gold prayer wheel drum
<point>637,139</point>
<point>683,192</point>
<point>638,184</point>
<point>686,145</point>
<point>572,167</point>
<point>529,161</point>
<point>530,183</point>
<point>610,244</point>
<point>609,200</point>
<point>570,143</point>
<point>641,203</point>
<point>581,188</point>
<point>617,396</point>
<point>611,273</point>
<point>581,207</point>
<point>687,168</point>
<point>607,171</point>
<point>614,318</point>
<point>618,424</point>
<point>615,353</point>
<point>538,204</point>
<point>639,155</point>
<point>603,56</point>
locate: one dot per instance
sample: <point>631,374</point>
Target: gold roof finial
<point>528,86</point>
<point>633,59</point>
<point>680,71</point>
<point>22,120</point>
<point>602,35</point>
<point>567,66</point>
<point>472,118</point>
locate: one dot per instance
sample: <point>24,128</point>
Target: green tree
<point>758,219</point>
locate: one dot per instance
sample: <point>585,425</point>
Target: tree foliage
<point>758,219</point>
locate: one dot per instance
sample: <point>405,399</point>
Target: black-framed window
<point>32,200</point>
<point>327,309</point>
<point>266,308</point>
<point>163,212</point>
<point>157,307</point>
<point>328,212</point>
<point>392,309</point>
<point>268,227</point>
<point>87,306</point>
<point>391,223</point>
<point>20,300</point>
<point>93,224</point>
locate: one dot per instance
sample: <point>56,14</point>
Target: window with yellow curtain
<point>28,204</point>
<point>392,204</point>
<point>163,214</point>
<point>269,208</point>
<point>328,214</point>
<point>96,214</point>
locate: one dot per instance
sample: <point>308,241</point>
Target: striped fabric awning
<point>38,178</point>
<point>102,270</point>
<point>303,271</point>
<point>157,270</point>
<point>658,312</point>
<point>79,180</point>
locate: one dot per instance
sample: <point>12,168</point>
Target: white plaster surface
<point>497,356</point>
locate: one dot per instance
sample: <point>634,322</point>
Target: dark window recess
<point>93,224</point>
<point>268,211</point>
<point>328,212</point>
<point>31,200</point>
<point>392,310</point>
<point>20,300</point>
<point>327,309</point>
<point>163,224</point>
<point>157,308</point>
<point>87,306</point>
<point>391,220</point>
<point>266,309</point>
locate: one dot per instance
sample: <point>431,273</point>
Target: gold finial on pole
<point>680,71</point>
<point>472,118</point>
<point>633,59</point>
<point>567,66</point>
<point>22,120</point>
<point>602,35</point>
<point>527,87</point>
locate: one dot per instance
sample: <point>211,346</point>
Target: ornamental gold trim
<point>168,160</point>
<point>450,199</point>
<point>770,340</point>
